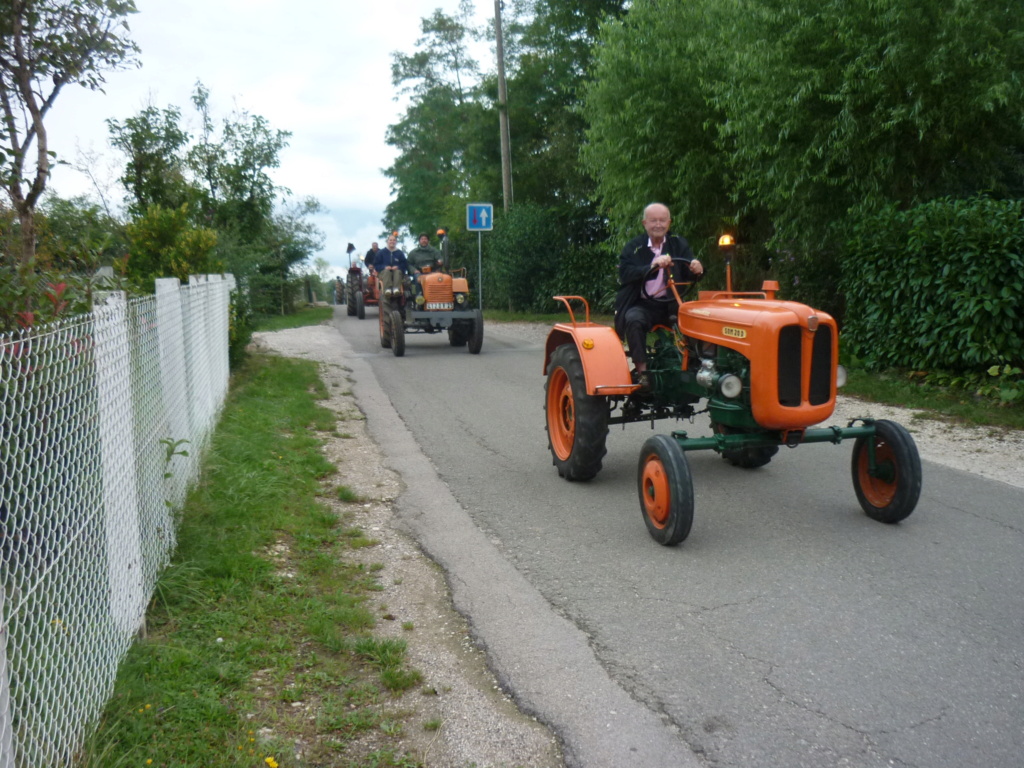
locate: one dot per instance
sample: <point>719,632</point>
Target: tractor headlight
<point>840,376</point>
<point>730,385</point>
<point>460,298</point>
<point>420,301</point>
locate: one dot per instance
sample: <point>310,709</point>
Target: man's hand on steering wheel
<point>664,262</point>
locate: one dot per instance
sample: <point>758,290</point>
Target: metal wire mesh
<point>105,417</point>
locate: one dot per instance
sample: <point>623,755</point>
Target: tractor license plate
<point>439,305</point>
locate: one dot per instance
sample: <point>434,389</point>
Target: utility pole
<point>506,153</point>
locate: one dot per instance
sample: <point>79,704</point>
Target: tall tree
<point>45,45</point>
<point>154,143</point>
<point>441,79</point>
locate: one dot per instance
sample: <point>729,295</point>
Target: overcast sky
<point>318,68</point>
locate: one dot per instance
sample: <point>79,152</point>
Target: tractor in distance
<point>440,302</point>
<point>768,370</point>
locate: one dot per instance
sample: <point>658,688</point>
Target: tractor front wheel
<point>384,316</point>
<point>360,306</point>
<point>397,333</point>
<point>665,487</point>
<point>476,336</point>
<point>890,493</point>
<point>577,423</point>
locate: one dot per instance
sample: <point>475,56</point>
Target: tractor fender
<point>604,360</point>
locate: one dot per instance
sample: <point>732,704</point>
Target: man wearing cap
<point>423,255</point>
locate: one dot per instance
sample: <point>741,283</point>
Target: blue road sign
<point>479,217</point>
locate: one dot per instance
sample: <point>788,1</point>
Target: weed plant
<point>259,632</point>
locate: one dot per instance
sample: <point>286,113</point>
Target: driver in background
<point>423,255</point>
<point>644,299</point>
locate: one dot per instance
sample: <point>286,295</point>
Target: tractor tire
<point>360,306</point>
<point>350,300</point>
<point>476,336</point>
<point>397,333</point>
<point>384,317</point>
<point>892,495</point>
<point>577,423</point>
<point>457,335</point>
<point>665,488</point>
<point>746,458</point>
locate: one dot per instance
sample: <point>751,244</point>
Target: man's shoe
<point>644,380</point>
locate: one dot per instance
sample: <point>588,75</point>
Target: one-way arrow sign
<point>479,217</point>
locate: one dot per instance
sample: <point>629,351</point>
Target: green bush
<point>937,287</point>
<point>523,253</point>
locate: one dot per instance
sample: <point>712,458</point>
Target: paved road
<point>788,630</point>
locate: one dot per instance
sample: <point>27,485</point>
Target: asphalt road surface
<point>788,630</point>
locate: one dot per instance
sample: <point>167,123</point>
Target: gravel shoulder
<point>480,723</point>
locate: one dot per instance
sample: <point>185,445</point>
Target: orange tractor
<point>360,291</point>
<point>768,370</point>
<point>441,302</point>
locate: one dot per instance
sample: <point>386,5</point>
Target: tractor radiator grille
<point>434,291</point>
<point>790,359</point>
<point>821,366</point>
<point>791,352</point>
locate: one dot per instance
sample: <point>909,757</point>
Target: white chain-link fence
<point>98,412</point>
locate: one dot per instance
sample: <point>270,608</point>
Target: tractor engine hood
<point>793,351</point>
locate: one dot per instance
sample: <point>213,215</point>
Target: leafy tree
<point>652,128</point>
<point>45,45</point>
<point>164,243</point>
<point>153,142</point>
<point>836,106</point>
<point>430,169</point>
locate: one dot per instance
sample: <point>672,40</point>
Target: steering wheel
<point>682,288</point>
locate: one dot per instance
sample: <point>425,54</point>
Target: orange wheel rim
<point>656,493</point>
<point>877,491</point>
<point>561,414</point>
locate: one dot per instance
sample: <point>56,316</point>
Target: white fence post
<point>6,727</point>
<point>120,493</point>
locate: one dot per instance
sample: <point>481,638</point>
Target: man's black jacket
<point>634,269</point>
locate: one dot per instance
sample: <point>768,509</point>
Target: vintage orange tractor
<point>441,302</point>
<point>360,290</point>
<point>768,370</point>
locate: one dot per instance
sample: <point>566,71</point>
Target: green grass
<point>899,388</point>
<point>260,609</point>
<point>303,317</point>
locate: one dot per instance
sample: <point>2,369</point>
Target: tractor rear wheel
<point>747,458</point>
<point>665,488</point>
<point>577,423</point>
<point>891,493</point>
<point>350,298</point>
<point>384,316</point>
<point>457,334</point>
<point>397,333</point>
<point>360,306</point>
<point>476,336</point>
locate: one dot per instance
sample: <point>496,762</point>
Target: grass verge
<point>260,650</point>
<point>307,315</point>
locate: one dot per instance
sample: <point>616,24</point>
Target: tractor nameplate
<point>439,305</point>
<point>736,333</point>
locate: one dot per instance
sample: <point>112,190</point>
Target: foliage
<point>164,244</point>
<point>45,45</point>
<point>154,173</point>
<point>835,107</point>
<point>652,127</point>
<point>938,287</point>
<point>523,253</point>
